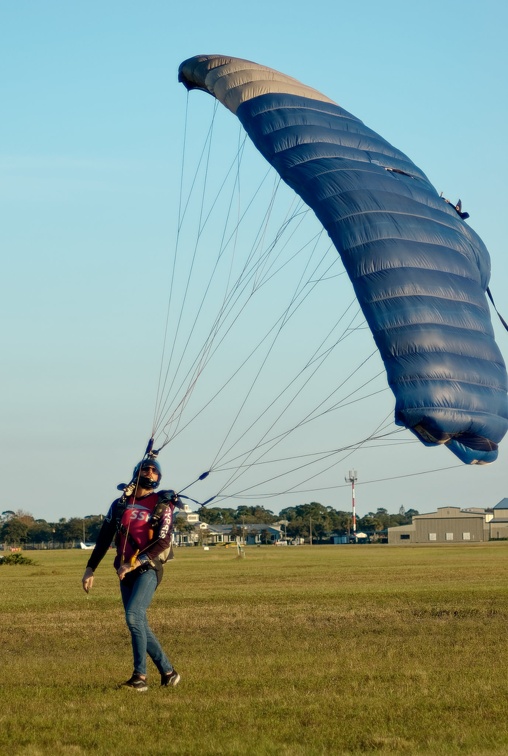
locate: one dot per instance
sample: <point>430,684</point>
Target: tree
<point>411,513</point>
<point>14,531</point>
<point>93,524</point>
<point>216,515</point>
<point>340,521</point>
<point>314,517</point>
<point>68,531</point>
<point>7,515</point>
<point>371,523</point>
<point>254,515</point>
<point>40,532</point>
<point>297,528</point>
<point>25,517</point>
<point>383,518</point>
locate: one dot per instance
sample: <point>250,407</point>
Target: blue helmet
<point>138,472</point>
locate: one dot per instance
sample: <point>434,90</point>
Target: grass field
<point>305,650</point>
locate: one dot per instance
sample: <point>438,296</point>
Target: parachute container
<point>420,273</point>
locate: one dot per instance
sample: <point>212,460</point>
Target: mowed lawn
<point>298,650</point>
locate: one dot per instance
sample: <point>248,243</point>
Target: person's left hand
<point>124,569</point>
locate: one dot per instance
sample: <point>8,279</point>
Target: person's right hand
<point>87,579</point>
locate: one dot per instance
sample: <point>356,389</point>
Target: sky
<point>91,140</point>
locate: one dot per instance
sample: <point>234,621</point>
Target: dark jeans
<point>137,592</point>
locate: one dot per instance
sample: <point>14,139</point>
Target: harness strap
<point>127,534</point>
<point>503,321</point>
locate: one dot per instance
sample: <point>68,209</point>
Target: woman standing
<point>140,523</point>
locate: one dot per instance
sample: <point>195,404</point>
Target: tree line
<point>20,527</point>
<point>302,521</point>
<point>307,520</point>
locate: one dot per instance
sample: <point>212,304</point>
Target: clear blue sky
<point>90,150</point>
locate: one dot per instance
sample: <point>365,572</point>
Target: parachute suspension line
<point>205,352</point>
<point>172,276</point>
<point>365,482</point>
<point>282,435</point>
<point>228,380</point>
<point>350,448</point>
<point>175,256</point>
<point>183,402</point>
<point>198,366</point>
<point>214,329</point>
<point>283,320</point>
<point>314,358</point>
<point>340,485</point>
<point>274,441</point>
<point>323,453</point>
<point>285,316</point>
<point>268,260</point>
<point>342,403</point>
<point>271,255</point>
<point>193,383</point>
<point>410,475</point>
<point>200,360</point>
<point>197,361</point>
<point>231,290</point>
<point>233,375</point>
<point>181,215</point>
<point>205,150</point>
<point>262,264</point>
<point>203,357</point>
<point>233,238</point>
<point>295,488</point>
<point>211,336</point>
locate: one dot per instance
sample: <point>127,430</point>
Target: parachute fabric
<point>419,272</point>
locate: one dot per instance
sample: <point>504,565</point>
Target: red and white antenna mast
<point>352,477</point>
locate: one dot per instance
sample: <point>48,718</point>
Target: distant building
<point>499,523</point>
<point>262,533</point>
<point>211,534</point>
<point>446,525</point>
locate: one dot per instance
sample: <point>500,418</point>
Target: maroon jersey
<point>132,526</point>
<point>136,534</point>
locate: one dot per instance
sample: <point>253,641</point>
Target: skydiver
<point>140,522</point>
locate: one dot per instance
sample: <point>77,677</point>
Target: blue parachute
<point>419,272</point>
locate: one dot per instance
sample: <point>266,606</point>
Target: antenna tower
<point>352,477</point>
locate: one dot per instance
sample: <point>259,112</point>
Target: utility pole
<point>352,477</point>
<point>310,531</point>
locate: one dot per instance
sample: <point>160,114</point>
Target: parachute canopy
<point>419,271</point>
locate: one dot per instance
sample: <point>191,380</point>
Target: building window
<point>405,536</point>
<point>466,536</point>
<point>432,537</point>
<point>449,536</point>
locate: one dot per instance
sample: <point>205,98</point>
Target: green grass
<point>307,650</point>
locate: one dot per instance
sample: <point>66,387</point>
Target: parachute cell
<point>419,271</point>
